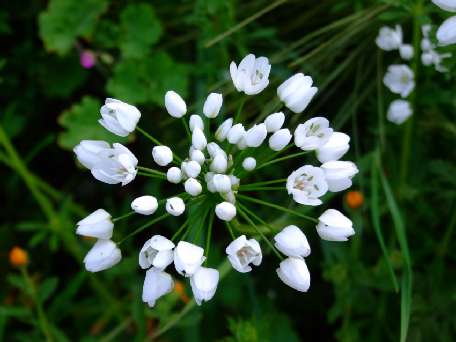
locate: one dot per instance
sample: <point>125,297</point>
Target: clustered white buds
<point>389,39</point>
<point>213,167</point>
<point>430,55</point>
<point>446,34</point>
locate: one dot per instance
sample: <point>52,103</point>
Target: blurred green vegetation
<point>393,280</point>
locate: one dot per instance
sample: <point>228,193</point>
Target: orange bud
<point>355,199</point>
<point>18,257</point>
<point>180,290</point>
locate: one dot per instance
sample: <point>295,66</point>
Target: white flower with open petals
<point>116,165</point>
<point>252,74</point>
<point>87,152</point>
<point>156,252</point>
<point>98,225</point>
<point>312,134</point>
<point>389,39</point>
<point>242,252</point>
<point>103,255</point>
<point>156,284</point>
<point>399,111</point>
<point>399,79</point>
<point>291,241</point>
<point>294,272</point>
<point>334,226</point>
<point>204,284</point>
<point>297,92</point>
<point>119,117</point>
<point>188,258</point>
<point>307,184</point>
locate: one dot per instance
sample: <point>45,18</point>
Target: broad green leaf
<point>65,20</point>
<point>139,29</point>
<point>81,123</point>
<point>147,80</point>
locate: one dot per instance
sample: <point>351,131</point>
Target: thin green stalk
<point>123,216</point>
<point>178,231</point>
<point>156,142</point>
<point>230,229</point>
<point>42,319</point>
<point>290,156</point>
<point>209,235</point>
<point>380,107</point>
<point>272,188</point>
<point>187,129</point>
<point>144,226</point>
<point>275,181</point>
<point>278,207</point>
<point>250,222</point>
<point>150,175</point>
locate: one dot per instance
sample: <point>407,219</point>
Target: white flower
<point>292,242</point>
<point>224,128</point>
<point>236,133</point>
<point>198,139</point>
<point>162,155</point>
<point>389,39</point>
<point>174,104</point>
<point>446,34</point>
<point>213,149</point>
<point>274,122</point>
<point>339,174</point>
<point>280,139</point>
<point>335,148</point>
<point>212,105</point>
<point>103,255</point>
<point>188,258</point>
<point>307,184</point>
<point>156,252</point>
<point>116,165</point>
<point>225,211</point>
<point>219,164</point>
<point>334,226</point>
<point>426,44</point>
<point>297,92</point>
<point>175,206</point>
<point>209,177</point>
<point>198,156</point>
<point>156,284</point>
<point>446,5</point>
<point>399,79</point>
<point>193,187</point>
<point>252,74</point>
<point>427,58</point>
<point>196,121</point>
<point>406,51</point>
<point>399,111</point>
<point>204,284</point>
<point>87,152</point>
<point>294,273</point>
<point>98,225</point>
<point>426,29</point>
<point>312,134</point>
<point>222,183</point>
<point>242,144</point>
<point>174,175</point>
<point>242,252</point>
<point>249,163</point>
<point>119,117</point>
<point>191,168</point>
<point>145,205</point>
<point>255,136</point>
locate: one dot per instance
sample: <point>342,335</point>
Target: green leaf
<point>81,123</point>
<point>147,80</point>
<point>65,20</point>
<point>47,288</point>
<point>139,29</point>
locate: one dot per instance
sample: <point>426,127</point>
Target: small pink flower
<point>87,59</point>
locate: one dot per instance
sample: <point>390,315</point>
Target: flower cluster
<point>430,55</point>
<point>214,173</point>
<point>399,78</point>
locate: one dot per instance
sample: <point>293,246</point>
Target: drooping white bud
<point>144,205</point>
<point>274,122</point>
<point>280,139</point>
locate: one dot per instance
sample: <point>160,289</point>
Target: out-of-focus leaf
<point>147,80</point>
<point>81,123</point>
<point>139,29</point>
<point>65,20</point>
<point>46,288</point>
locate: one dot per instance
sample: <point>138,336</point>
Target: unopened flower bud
<point>255,136</point>
<point>225,211</point>
<point>249,163</point>
<point>274,122</point>
<point>193,187</point>
<point>198,139</point>
<point>212,105</point>
<point>280,139</point>
<point>196,121</point>
<point>162,155</point>
<point>175,206</point>
<point>175,105</point>
<point>191,168</point>
<point>174,175</point>
<point>222,183</point>
<point>145,205</point>
<point>235,133</point>
<point>219,164</point>
<point>223,129</point>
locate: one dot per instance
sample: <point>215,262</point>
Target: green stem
<point>282,180</point>
<point>278,207</point>
<point>272,188</point>
<point>43,322</point>
<point>150,175</point>
<point>290,156</point>
<point>156,142</point>
<point>181,228</point>
<point>250,222</point>
<point>144,226</point>
<point>230,229</point>
<point>123,216</point>
<point>187,129</point>
<point>380,107</point>
<point>156,172</point>
<point>209,235</point>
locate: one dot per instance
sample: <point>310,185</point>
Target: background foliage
<point>394,280</point>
